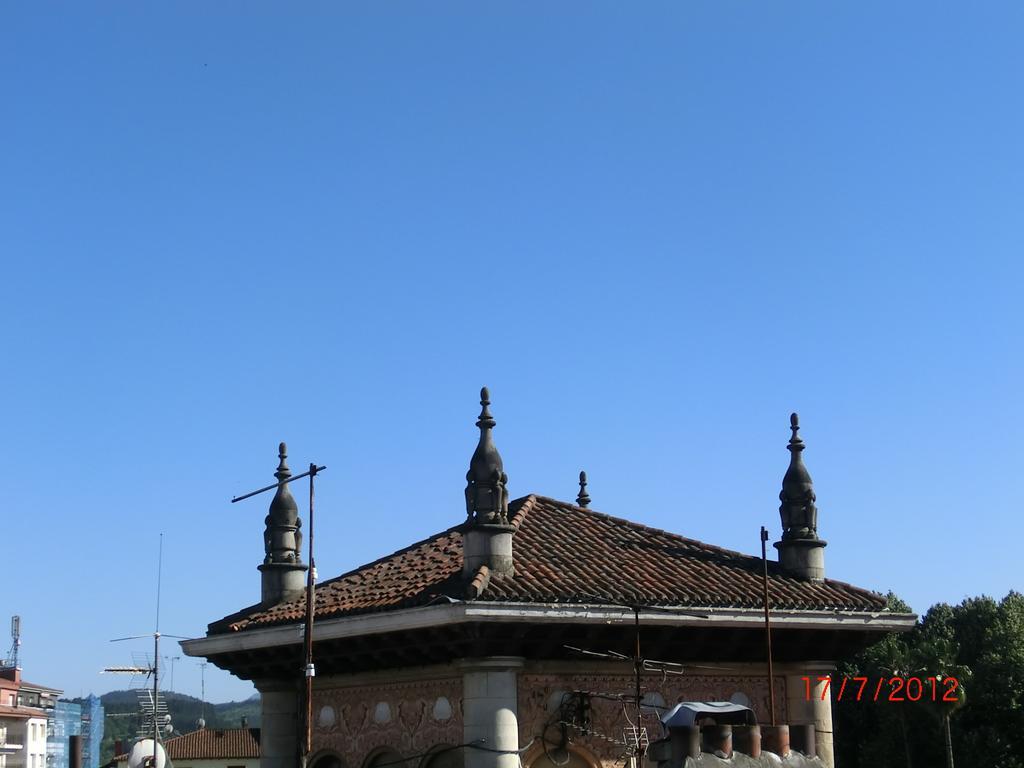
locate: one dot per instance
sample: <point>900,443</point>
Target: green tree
<point>980,642</point>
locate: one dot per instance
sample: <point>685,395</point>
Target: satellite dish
<point>200,723</point>
<point>167,719</point>
<point>168,728</point>
<point>141,755</point>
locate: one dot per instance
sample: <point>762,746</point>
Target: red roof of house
<point>212,744</point>
<point>25,685</point>
<point>568,554</point>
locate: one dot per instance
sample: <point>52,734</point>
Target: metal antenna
<point>153,707</point>
<point>173,660</point>
<point>638,734</point>
<point>12,658</point>
<point>309,671</point>
<point>202,689</point>
<point>159,577</point>
<point>156,651</point>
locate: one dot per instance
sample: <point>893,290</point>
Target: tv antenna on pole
<point>636,735</point>
<point>155,717</point>
<point>309,671</point>
<point>201,722</point>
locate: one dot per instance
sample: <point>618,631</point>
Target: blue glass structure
<point>83,719</point>
<point>66,721</point>
<point>92,731</point>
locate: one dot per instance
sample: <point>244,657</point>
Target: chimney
<point>75,751</point>
<point>487,534</point>
<point>801,552</point>
<point>282,569</point>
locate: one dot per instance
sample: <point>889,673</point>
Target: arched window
<point>384,757</point>
<point>443,756</point>
<point>327,760</point>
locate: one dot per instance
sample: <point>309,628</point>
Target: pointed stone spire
<point>282,566</point>
<point>798,511</point>
<point>486,481</point>
<point>487,535</point>
<point>583,499</point>
<point>801,552</point>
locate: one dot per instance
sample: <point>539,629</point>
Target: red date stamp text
<point>882,689</point>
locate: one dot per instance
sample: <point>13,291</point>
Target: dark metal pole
<point>312,471</point>
<point>156,693</point>
<point>156,652</point>
<point>637,664</point>
<point>310,602</point>
<point>305,743</point>
<point>768,625</point>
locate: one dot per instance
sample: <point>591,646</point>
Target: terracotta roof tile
<point>568,554</point>
<point>213,744</point>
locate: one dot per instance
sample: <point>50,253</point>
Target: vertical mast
<point>156,652</point>
<point>310,670</point>
<point>768,626</point>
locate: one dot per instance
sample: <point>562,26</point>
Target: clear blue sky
<point>652,229</point>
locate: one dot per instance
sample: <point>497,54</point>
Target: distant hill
<point>123,719</point>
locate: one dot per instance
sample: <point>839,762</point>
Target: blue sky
<point>652,229</point>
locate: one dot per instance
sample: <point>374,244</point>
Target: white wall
<point>33,737</point>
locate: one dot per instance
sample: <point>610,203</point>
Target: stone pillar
<point>822,719</point>
<point>489,545</point>
<point>489,710</point>
<point>814,711</point>
<point>803,558</point>
<point>279,726</point>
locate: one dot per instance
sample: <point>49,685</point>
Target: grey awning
<point>686,713</point>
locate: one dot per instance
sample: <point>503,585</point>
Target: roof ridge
<point>679,537</point>
<point>527,503</point>
<point>649,528</point>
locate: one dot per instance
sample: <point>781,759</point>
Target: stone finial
<point>282,568</point>
<point>486,481</point>
<point>583,499</point>
<point>282,538</point>
<point>798,511</point>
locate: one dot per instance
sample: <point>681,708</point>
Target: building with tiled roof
<point>513,635</point>
<point>213,748</point>
<point>26,717</point>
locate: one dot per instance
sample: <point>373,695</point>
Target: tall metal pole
<point>768,625</point>
<point>156,692</point>
<point>310,602</point>
<point>305,743</point>
<point>156,651</point>
<point>637,664</point>
<point>202,683</point>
